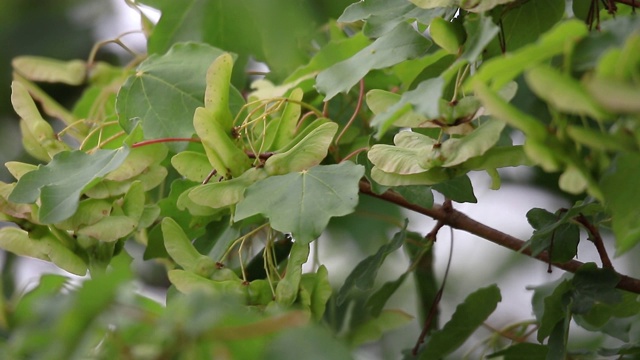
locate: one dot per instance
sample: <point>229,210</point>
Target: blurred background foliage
<point>61,29</point>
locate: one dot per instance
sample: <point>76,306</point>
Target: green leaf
<point>622,198</point>
<point>364,274</point>
<point>479,141</point>
<point>46,248</point>
<point>319,289</point>
<point>110,228</point>
<point>188,282</point>
<point>555,310</point>
<point>382,16</point>
<point>274,31</point>
<point>376,302</point>
<point>163,96</point>
<point>374,329</point>
<point>59,184</point>
<point>138,161</point>
<point>306,153</point>
<point>406,157</point>
<point>525,23</point>
<point>182,251</point>
<point>467,5</point>
<point>467,317</point>
<point>423,100</point>
<point>593,285</point>
<point>398,45</point>
<point>330,54</point>
<point>458,189</point>
<point>419,195</point>
<point>302,203</point>
<point>228,192</point>
<point>287,288</point>
<point>192,165</point>
<point>501,70</point>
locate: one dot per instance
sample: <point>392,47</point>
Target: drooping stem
<point>355,112</point>
<point>458,220</point>
<point>597,240</point>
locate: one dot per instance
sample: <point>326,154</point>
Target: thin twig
<point>436,301</point>
<point>597,240</point>
<point>355,112</point>
<point>458,220</point>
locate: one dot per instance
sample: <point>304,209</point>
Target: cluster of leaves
<point>180,153</point>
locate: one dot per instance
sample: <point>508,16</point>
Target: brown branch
<point>460,221</point>
<point>597,240</point>
<point>632,3</point>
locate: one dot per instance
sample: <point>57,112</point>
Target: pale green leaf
<point>563,92</point>
<point>479,141</point>
<point>219,194</point>
<point>46,248</point>
<point>110,228</point>
<point>192,165</point>
<point>287,288</point>
<point>302,203</point>
<point>475,6</point>
<point>38,68</point>
<point>306,153</point>
<point>501,70</point>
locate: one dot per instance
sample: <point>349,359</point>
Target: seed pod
<point>227,158</point>
<point>306,153</point>
<point>448,35</point>
<point>216,96</point>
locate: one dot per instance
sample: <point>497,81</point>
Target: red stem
<point>164,140</point>
<point>355,112</point>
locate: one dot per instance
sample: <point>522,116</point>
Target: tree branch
<point>460,221</point>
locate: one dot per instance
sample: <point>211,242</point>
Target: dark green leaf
<point>364,274</point>
<point>556,308</point>
<point>376,302</point>
<point>467,317</point>
<point>420,195</point>
<point>398,45</point>
<point>59,184</point>
<point>163,96</point>
<point>302,203</point>
<point>593,285</point>
<point>623,197</point>
<point>458,189</point>
<point>525,23</point>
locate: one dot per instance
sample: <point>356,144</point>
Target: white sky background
<point>475,261</point>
